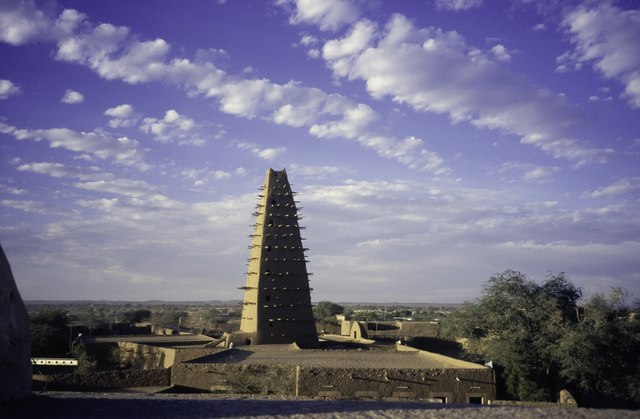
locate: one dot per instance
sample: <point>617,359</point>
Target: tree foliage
<point>136,316</point>
<point>541,340</point>
<point>601,355</point>
<point>326,311</point>
<point>86,361</point>
<point>49,333</point>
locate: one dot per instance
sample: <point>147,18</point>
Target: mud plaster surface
<point>122,405</point>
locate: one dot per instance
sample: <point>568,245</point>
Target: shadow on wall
<point>139,356</point>
<point>15,346</point>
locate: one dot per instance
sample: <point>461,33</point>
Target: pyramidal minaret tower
<point>277,297</point>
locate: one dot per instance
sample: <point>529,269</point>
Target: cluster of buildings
<point>278,351</point>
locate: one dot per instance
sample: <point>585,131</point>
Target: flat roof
<point>403,357</point>
<point>167,341</point>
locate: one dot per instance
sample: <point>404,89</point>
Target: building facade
<point>277,297</point>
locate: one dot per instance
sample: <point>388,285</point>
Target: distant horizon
<point>219,301</point>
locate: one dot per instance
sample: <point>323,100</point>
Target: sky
<point>432,144</point>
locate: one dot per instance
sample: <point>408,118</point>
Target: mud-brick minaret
<point>277,297</point>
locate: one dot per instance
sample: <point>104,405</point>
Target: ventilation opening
<point>475,399</point>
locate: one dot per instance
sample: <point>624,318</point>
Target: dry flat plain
<point>136,405</point>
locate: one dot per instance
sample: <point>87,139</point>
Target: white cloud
<point>122,116</point>
<point>342,52</point>
<point>308,40</point>
<point>114,53</point>
<point>408,151</point>
<point>173,127</point>
<point>354,194</point>
<point>221,175</point>
<point>59,170</point>
<point>138,61</point>
<point>609,38</point>
<point>501,53</point>
<point>539,27</point>
<point>201,177</point>
<point>316,172</point>
<point>7,88</point>
<point>353,124</point>
<point>436,71</point>
<point>263,153</point>
<point>119,186</point>
<point>458,5</point>
<point>36,207</point>
<point>123,150</point>
<point>136,193</point>
<point>72,97</point>
<point>530,173</point>
<point>356,41</point>
<point>21,22</point>
<point>12,190</point>
<point>620,187</point>
<point>121,111</point>
<point>326,14</point>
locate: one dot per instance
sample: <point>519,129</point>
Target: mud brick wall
<point>450,385</point>
<point>139,356</point>
<point>234,378</point>
<point>187,354</point>
<point>107,379</point>
<point>454,384</point>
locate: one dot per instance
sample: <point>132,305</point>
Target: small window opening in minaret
<point>273,201</point>
<point>270,223</point>
<point>268,298</point>
<point>267,248</point>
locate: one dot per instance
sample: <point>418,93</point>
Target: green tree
<point>326,311</point>
<point>170,317</point>
<point>517,324</point>
<point>49,333</point>
<point>86,362</point>
<point>135,316</point>
<point>600,356</point>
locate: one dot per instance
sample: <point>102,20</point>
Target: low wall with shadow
<point>102,380</point>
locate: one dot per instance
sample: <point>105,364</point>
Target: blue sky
<point>432,143</point>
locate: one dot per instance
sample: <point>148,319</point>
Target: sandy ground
<point>131,405</point>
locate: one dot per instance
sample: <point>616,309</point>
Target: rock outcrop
<point>15,347</point>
